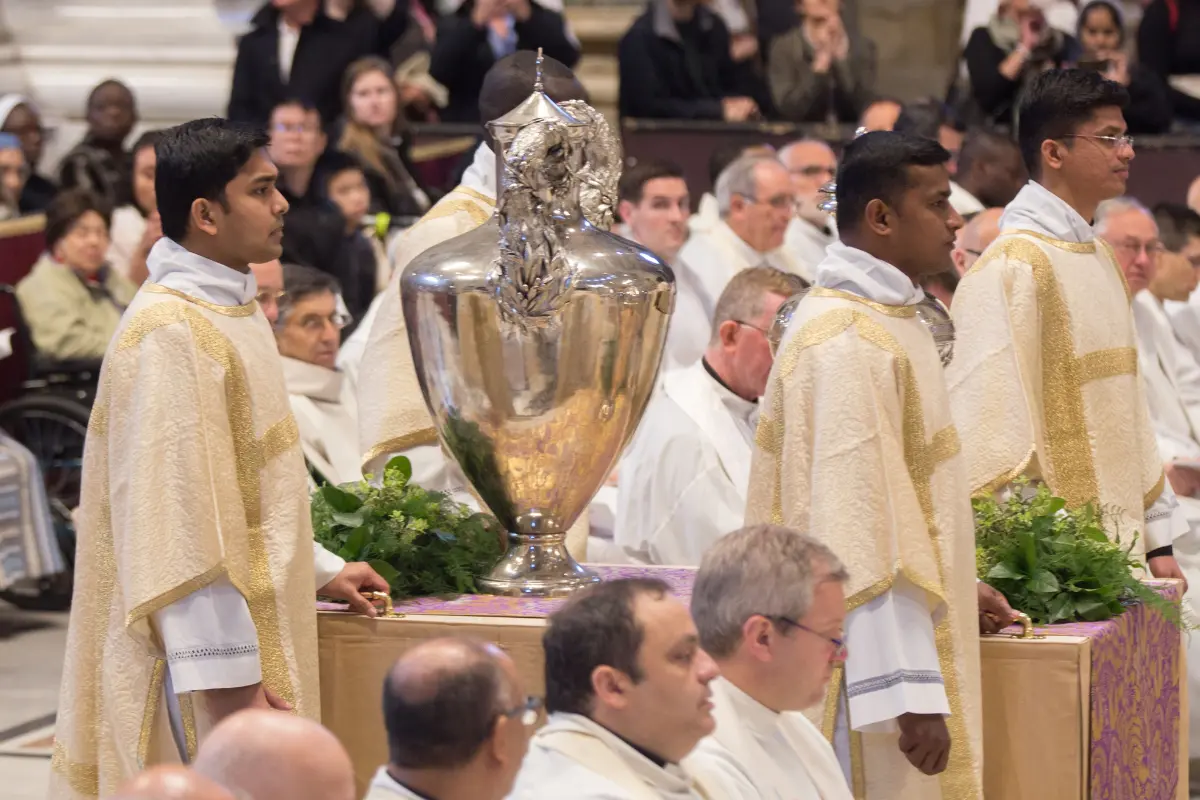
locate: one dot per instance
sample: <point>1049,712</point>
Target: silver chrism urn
<point>537,337</point>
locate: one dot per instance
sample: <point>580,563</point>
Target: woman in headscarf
<point>1005,55</point>
<point>20,117</point>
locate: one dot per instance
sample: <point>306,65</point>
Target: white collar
<point>742,248</point>
<point>170,265</point>
<point>963,201</point>
<point>312,380</point>
<point>759,719</point>
<point>849,269</point>
<point>672,777</point>
<point>384,780</point>
<point>1037,209</point>
<point>481,175</point>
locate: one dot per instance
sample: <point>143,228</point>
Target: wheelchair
<point>48,413</point>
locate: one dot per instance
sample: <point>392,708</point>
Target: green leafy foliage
<point>1057,564</point>
<point>422,542</point>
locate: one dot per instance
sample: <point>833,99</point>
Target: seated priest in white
<point>812,164</point>
<point>685,474</point>
<point>754,195</point>
<point>627,691</point>
<point>654,205</point>
<point>308,331</point>
<point>1160,256</point>
<point>770,605</point>
<point>458,723</point>
<point>707,214</point>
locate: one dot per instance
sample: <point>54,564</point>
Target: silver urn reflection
<point>537,338</point>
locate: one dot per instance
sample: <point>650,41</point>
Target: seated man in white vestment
<point>686,471</point>
<point>627,690</point>
<point>812,164</point>
<point>754,196</point>
<point>654,206</point>
<point>1160,258</point>
<point>458,723</point>
<point>308,331</point>
<point>969,243</point>
<point>770,606</point>
<point>269,277</point>
<point>260,754</point>
<point>707,214</point>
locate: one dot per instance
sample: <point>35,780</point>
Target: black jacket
<point>462,55</point>
<point>1169,48</point>
<point>996,95</point>
<point>325,49</point>
<point>664,78</point>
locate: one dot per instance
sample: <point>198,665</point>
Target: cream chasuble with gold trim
<point>1044,381</point>
<point>159,519</point>
<point>856,447</point>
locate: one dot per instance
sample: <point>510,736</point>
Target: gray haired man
<point>769,606</point>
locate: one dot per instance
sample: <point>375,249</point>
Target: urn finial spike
<point>537,74</point>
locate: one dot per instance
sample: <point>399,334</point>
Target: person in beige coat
<point>71,300</point>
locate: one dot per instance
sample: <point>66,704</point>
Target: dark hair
<point>66,209</point>
<point>1057,103</point>
<point>300,282</point>
<point>197,160</point>
<point>875,166</point>
<point>333,163</point>
<point>926,118</point>
<point>305,104</point>
<point>633,181</point>
<point>1176,224</point>
<point>147,139</point>
<point>510,81</point>
<point>442,724</point>
<point>595,628</point>
<point>1118,18</point>
<point>106,84</point>
<point>723,155</point>
<point>981,144</point>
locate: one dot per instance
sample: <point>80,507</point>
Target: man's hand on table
<point>995,614</point>
<point>1166,567</point>
<point>925,741</point>
<point>354,579</point>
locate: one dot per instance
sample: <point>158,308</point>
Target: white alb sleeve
<point>892,667</point>
<point>326,565</point>
<point>1165,521</point>
<point>210,640</point>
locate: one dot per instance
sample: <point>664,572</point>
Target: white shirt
<point>326,412</point>
<point>963,201</point>
<point>806,243</point>
<point>708,214</point>
<point>574,757</point>
<point>760,754</point>
<point>1037,209</point>
<point>125,234</point>
<point>685,474</point>
<point>289,39</point>
<point>213,621</point>
<point>893,664</point>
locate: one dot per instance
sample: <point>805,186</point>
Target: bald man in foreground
<point>972,239</point>
<point>267,755</point>
<point>458,723</point>
<point>171,782</point>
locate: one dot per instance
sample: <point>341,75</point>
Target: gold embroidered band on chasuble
<point>176,400</point>
<point>876,375</point>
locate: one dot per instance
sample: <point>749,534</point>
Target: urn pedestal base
<point>537,565</point>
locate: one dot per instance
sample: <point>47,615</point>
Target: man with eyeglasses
<point>770,606</point>
<point>756,202</point>
<point>627,691</point>
<point>812,164</point>
<point>856,447</point>
<point>685,474</point>
<point>308,331</point>
<point>458,723</point>
<point>1044,380</point>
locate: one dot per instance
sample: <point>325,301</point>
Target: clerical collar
<point>657,761</point>
<point>1037,209</point>
<point>386,772</point>
<point>175,267</point>
<point>712,373</point>
<point>849,269</point>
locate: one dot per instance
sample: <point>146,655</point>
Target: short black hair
<point>725,154</point>
<point>443,725</point>
<point>510,80</point>
<point>633,181</point>
<point>1057,103</point>
<point>982,144</point>
<point>197,160</point>
<point>297,101</point>
<point>1176,225</point>
<point>104,84</point>
<point>66,209</point>
<point>926,118</point>
<point>333,163</point>
<point>147,139</point>
<point>875,166</point>
<point>595,628</point>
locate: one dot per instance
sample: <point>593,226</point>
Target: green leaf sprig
<point>1058,564</point>
<point>422,542</point>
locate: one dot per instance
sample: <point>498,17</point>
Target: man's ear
<point>878,217</point>
<point>1053,153</point>
<point>611,686</point>
<point>727,331</point>
<point>203,216</point>
<point>959,257</point>
<point>624,209</point>
<point>498,737</point>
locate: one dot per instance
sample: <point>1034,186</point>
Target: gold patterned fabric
<point>392,416</point>
<point>1044,381</point>
<point>192,471</point>
<point>856,447</point>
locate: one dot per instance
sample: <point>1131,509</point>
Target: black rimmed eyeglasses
<point>839,645</point>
